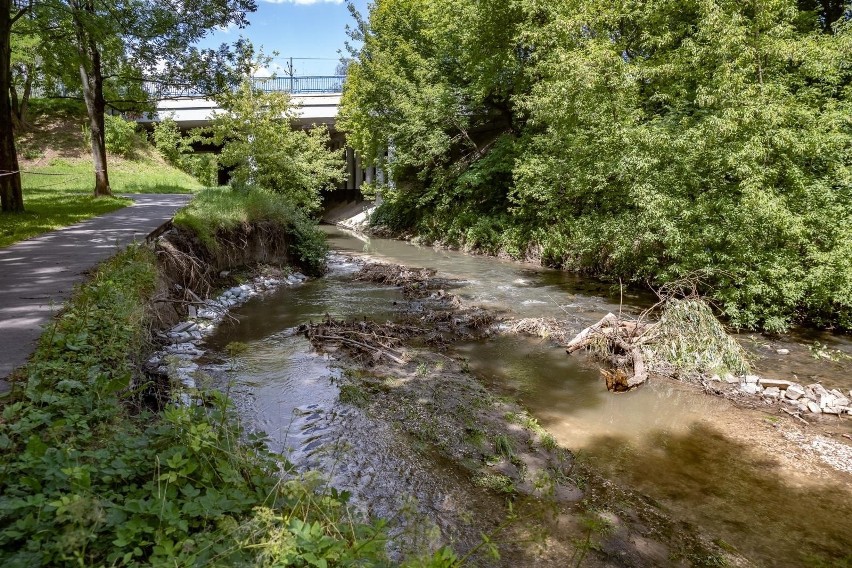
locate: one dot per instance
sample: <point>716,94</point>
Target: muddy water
<point>690,452</point>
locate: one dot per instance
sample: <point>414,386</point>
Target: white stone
<point>731,379</point>
<point>772,392</point>
<point>300,276</point>
<point>814,407</point>
<point>715,378</point>
<point>826,400</point>
<point>751,379</point>
<point>783,351</point>
<point>841,401</point>
<point>818,388</point>
<point>750,388</point>
<point>832,410</point>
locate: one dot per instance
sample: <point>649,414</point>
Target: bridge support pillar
<point>359,172</point>
<point>350,168</point>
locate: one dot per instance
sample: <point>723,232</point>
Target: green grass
<point>59,193</point>
<point>221,209</point>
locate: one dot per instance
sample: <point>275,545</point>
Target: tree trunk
<point>20,105</point>
<point>832,11</point>
<point>11,195</point>
<point>92,80</point>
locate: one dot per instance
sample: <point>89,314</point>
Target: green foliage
<point>86,482</point>
<point>177,150</point>
<point>691,339</point>
<point>222,209</point>
<point>264,149</point>
<point>645,141</point>
<point>120,135</point>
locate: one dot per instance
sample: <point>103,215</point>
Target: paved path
<point>38,275</point>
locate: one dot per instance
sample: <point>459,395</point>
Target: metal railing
<point>318,84</point>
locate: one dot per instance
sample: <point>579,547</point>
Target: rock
<point>783,351</point>
<point>300,276</point>
<point>193,312</point>
<point>781,384</point>
<point>751,379</point>
<point>794,392</point>
<point>731,379</point>
<point>818,389</point>
<point>207,314</point>
<point>224,274</point>
<point>715,378</point>
<point>772,392</point>
<point>832,410</point>
<point>814,407</point>
<point>841,401</point>
<point>825,400</point>
<point>802,406</point>
<point>292,280</point>
<point>791,402</point>
<point>181,327</point>
<point>750,388</point>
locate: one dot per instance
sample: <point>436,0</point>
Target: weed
<point>353,394</point>
<point>235,348</point>
<point>504,447</point>
<point>494,482</point>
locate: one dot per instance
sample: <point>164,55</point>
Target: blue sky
<point>297,29</point>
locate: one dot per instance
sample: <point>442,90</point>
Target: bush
<point>119,135</point>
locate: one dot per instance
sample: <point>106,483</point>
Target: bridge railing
<point>317,84</point>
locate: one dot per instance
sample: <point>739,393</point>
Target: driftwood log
<point>619,342</point>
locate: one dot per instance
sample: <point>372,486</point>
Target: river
<point>726,469</point>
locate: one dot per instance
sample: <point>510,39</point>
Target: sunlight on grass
<point>59,193</point>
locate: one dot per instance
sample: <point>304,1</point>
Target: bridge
<point>316,99</point>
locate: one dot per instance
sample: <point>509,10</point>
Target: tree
<point>131,42</point>
<point>643,140</point>
<point>11,195</point>
<point>259,142</point>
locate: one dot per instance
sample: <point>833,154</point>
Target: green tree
<point>125,43</point>
<point>645,140</point>
<point>262,142</point>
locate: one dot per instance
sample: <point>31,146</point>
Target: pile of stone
<point>813,398</point>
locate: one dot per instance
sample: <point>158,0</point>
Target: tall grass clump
<point>218,210</point>
<point>690,340</point>
<point>91,477</point>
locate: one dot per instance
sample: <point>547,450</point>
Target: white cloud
<point>304,2</point>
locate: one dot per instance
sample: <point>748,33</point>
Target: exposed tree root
<point>687,340</point>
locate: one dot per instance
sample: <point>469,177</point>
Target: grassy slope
<point>58,178</point>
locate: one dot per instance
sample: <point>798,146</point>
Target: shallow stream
<point>697,455</point>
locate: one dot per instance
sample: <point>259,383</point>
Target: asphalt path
<point>38,275</point>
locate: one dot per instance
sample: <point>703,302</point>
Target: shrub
<point>119,135</point>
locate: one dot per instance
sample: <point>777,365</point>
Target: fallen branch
<point>361,345</point>
<point>796,415</point>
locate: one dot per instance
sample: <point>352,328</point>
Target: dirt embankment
<point>190,271</point>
